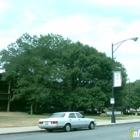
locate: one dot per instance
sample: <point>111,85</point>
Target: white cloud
<point>8,37</point>
<point>96,31</point>
<point>3,7</point>
<point>114,2</point>
<point>28,16</point>
<point>68,26</point>
<point>87,27</point>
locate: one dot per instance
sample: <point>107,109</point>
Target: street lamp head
<point>135,38</point>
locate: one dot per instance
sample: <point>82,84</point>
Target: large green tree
<point>23,62</point>
<point>85,68</point>
<point>53,70</point>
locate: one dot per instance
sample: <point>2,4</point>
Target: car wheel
<point>50,130</point>
<point>91,125</point>
<point>67,128</point>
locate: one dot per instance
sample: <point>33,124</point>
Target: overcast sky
<point>98,23</point>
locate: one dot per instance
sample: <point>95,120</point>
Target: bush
<point>103,115</point>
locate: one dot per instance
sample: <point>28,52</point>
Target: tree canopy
<point>132,95</point>
<point>58,72</point>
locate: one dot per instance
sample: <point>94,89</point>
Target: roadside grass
<point>15,119</point>
<point>118,117</point>
<point>12,119</point>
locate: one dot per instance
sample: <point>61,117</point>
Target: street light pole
<point>129,95</point>
<point>113,120</point>
<point>113,115</point>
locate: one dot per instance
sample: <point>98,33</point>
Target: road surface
<point>115,132</point>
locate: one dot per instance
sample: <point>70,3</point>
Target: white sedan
<point>66,121</point>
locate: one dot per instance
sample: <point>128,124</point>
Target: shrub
<point>103,115</point>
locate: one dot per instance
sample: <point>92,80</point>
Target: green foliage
<point>135,97</point>
<point>132,95</point>
<point>57,72</point>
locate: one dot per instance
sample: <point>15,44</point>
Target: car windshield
<point>57,115</point>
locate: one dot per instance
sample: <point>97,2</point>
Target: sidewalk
<point>11,130</point>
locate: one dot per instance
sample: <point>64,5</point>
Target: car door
<point>81,119</point>
<point>73,120</point>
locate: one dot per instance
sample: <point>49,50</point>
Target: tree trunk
<point>92,109</point>
<point>136,113</point>
<point>69,108</point>
<point>31,108</point>
<point>8,104</point>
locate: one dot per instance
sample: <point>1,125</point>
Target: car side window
<point>79,115</point>
<point>72,115</point>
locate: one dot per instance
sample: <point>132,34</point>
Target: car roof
<point>67,112</point>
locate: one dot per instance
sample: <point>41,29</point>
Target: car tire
<point>50,130</point>
<point>67,127</point>
<point>91,125</point>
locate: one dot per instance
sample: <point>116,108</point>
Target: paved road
<point>114,132</point>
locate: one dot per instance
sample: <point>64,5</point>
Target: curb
<point>20,132</point>
<point>42,130</point>
<point>119,123</point>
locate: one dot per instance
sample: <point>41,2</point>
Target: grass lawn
<point>12,119</point>
<point>121,117</point>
